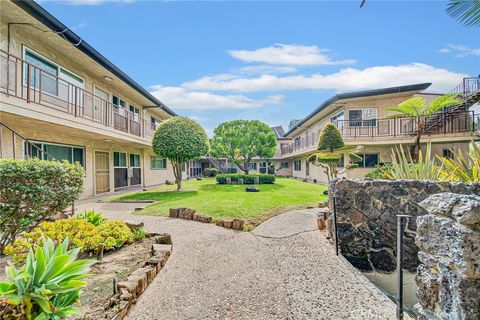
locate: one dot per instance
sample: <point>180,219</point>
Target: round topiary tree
<point>331,149</point>
<point>179,140</point>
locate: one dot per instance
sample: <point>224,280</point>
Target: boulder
<point>464,209</point>
<point>321,223</point>
<point>132,225</point>
<point>227,224</point>
<point>173,213</point>
<point>163,238</point>
<point>252,189</point>
<point>161,249</point>
<point>237,224</point>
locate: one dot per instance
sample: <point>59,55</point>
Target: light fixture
<point>107,78</point>
<point>107,140</point>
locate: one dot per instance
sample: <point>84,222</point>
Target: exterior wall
<point>62,136</point>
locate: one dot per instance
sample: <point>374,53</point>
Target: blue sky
<point>273,61</point>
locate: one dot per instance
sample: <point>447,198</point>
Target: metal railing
<point>468,86</point>
<point>24,80</point>
<point>440,123</point>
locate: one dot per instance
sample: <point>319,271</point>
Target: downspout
<point>144,187</point>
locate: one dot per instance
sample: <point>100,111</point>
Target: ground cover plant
<point>231,201</point>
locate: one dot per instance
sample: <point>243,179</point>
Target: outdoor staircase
<point>216,164</point>
<point>469,92</point>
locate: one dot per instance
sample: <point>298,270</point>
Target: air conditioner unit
<point>130,172</point>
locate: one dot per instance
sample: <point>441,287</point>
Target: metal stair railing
<point>216,164</point>
<point>30,144</point>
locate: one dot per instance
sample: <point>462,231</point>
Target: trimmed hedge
<point>210,172</point>
<point>33,190</point>
<point>247,178</point>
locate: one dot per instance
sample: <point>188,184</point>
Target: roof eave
<point>44,17</point>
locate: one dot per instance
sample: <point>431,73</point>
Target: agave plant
<point>47,286</point>
<point>403,166</point>
<point>93,217</point>
<point>464,167</point>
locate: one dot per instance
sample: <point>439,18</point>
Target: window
<point>55,151</point>
<point>297,165</point>
<point>368,160</point>
<point>284,165</point>
<point>157,163</point>
<point>119,105</point>
<point>134,161</point>
<point>448,153</point>
<point>341,162</point>
<point>362,117</point>
<point>338,117</point>
<point>135,112</point>
<point>252,166</point>
<point>120,159</point>
<point>155,122</point>
<point>47,73</point>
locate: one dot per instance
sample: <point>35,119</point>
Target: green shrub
<point>139,234</point>
<point>47,286</point>
<point>210,172</point>
<point>247,178</point>
<point>382,172</point>
<point>32,190</point>
<point>82,234</point>
<point>91,216</point>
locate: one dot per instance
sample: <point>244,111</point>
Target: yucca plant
<point>464,167</point>
<point>47,286</point>
<point>403,166</point>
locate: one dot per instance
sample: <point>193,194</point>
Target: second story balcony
<point>26,81</point>
<point>392,131</point>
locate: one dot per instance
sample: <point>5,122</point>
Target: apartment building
<point>61,99</point>
<point>362,118</point>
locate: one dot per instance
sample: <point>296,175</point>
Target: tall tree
<point>331,148</point>
<point>417,109</point>
<point>292,124</point>
<point>179,140</point>
<point>241,140</point>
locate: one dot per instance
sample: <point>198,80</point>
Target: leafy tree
<point>179,140</point>
<point>242,140</point>
<point>417,109</point>
<point>331,149</point>
<point>293,123</point>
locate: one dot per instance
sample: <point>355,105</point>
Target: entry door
<point>102,172</point>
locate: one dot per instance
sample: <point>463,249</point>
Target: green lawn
<point>231,201</point>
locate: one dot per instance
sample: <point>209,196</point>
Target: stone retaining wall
<point>366,217</point>
<point>448,277</point>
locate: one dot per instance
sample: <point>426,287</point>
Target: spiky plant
<point>403,166</point>
<point>49,283</point>
<point>464,167</point>
<point>466,11</point>
<point>418,110</point>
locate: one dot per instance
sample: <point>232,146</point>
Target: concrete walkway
<point>284,269</point>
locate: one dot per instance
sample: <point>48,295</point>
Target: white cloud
<point>265,69</point>
<point>288,54</point>
<point>344,80</point>
<point>181,98</point>
<point>460,50</point>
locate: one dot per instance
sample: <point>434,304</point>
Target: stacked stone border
<point>128,291</point>
<point>191,214</point>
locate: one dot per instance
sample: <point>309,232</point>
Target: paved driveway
<point>284,269</point>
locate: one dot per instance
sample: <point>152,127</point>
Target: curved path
<point>284,269</point>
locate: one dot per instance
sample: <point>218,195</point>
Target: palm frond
<point>465,11</point>
<point>413,107</point>
<point>441,102</point>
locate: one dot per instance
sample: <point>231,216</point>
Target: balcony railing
<point>468,86</point>
<point>445,123</point>
<point>23,80</point>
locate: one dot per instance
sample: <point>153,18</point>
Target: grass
<point>231,201</point>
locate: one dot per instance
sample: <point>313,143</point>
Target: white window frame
<point>59,67</point>
<point>363,119</point>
